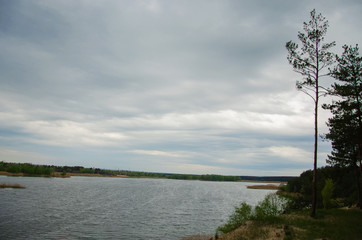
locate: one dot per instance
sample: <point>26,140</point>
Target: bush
<point>327,193</point>
<point>272,205</point>
<point>343,181</point>
<point>238,218</point>
<point>297,202</point>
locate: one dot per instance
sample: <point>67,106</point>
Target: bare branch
<point>325,89</point>
<point>309,88</point>
<point>307,93</point>
<point>325,75</point>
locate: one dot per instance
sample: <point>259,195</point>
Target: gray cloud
<point>191,86</point>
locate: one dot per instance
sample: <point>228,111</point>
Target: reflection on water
<point>117,208</point>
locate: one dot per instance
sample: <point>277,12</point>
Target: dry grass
<point>253,230</point>
<point>6,185</point>
<point>198,237</point>
<point>266,187</point>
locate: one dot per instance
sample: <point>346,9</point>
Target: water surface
<point>117,208</point>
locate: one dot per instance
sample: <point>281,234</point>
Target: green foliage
<point>238,218</point>
<point>207,177</point>
<point>296,202</point>
<point>87,170</point>
<point>27,168</point>
<point>313,56</point>
<point>327,193</point>
<point>13,168</point>
<point>271,206</point>
<point>344,186</point>
<point>345,126</point>
<point>2,166</point>
<point>48,170</point>
<point>219,178</point>
<point>332,224</point>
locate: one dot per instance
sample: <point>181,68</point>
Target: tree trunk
<point>314,200</point>
<point>358,176</point>
<point>359,193</point>
<point>316,100</point>
<point>360,159</point>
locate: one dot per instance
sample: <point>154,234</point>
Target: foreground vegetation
<point>286,215</point>
<point>328,224</point>
<point>344,189</point>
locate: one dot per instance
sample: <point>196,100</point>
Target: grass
<point>330,224</point>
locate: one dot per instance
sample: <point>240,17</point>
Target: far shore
<point>67,175</point>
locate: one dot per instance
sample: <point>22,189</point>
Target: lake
<point>117,208</point>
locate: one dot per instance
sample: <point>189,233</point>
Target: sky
<point>196,87</point>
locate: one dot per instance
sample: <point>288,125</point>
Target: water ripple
<point>113,208</point>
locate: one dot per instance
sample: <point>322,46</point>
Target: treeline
<point>32,169</point>
<point>344,190</point>
<point>207,177</point>
<point>26,168</point>
<point>268,179</point>
<point>36,169</point>
<point>143,174</point>
<point>80,169</point>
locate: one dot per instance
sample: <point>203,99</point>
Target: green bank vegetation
<point>62,171</point>
<point>336,188</point>
<point>27,169</point>
<point>272,205</point>
<point>327,224</point>
<point>50,170</point>
<point>286,214</point>
<point>207,177</point>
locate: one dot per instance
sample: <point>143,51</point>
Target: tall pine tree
<point>345,127</point>
<point>312,61</point>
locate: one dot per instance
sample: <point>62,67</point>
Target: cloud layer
<point>168,86</point>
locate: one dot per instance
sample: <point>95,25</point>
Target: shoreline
<point>264,187</point>
<point>68,175</point>
<point>14,185</point>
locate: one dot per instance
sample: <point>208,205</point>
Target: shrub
<point>297,202</point>
<point>238,218</point>
<point>327,193</point>
<point>272,205</point>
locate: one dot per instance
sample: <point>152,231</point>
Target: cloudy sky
<point>161,86</point>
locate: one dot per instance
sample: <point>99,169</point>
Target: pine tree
<point>345,127</point>
<point>312,61</point>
